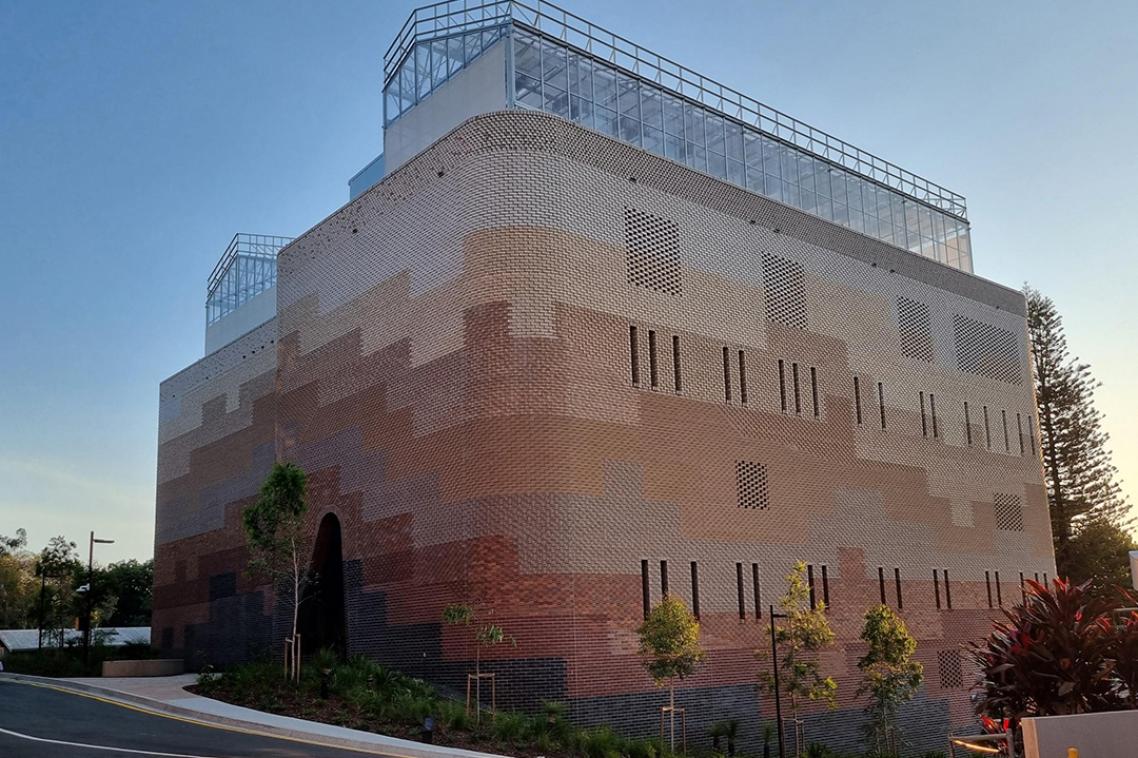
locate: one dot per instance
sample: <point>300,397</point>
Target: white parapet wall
<point>254,312</point>
<point>478,88</point>
<point>1094,735</point>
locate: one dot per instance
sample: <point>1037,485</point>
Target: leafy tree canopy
<point>669,641</point>
<point>1082,482</point>
<point>803,633</point>
<point>890,676</point>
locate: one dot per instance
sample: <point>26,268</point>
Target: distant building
<point>595,328</point>
<point>30,639</point>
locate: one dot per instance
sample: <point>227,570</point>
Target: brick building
<point>583,334</point>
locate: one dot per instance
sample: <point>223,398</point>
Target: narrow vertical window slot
<point>742,377</point>
<point>810,583</point>
<point>727,375</point>
<point>988,584</point>
<point>797,392</point>
<point>881,582</point>
<point>999,592</point>
<point>1007,443</point>
<point>1022,587</point>
<point>634,354</point>
<point>987,430</point>
<point>814,391</point>
<point>695,588</point>
<point>932,412</point>
<point>947,591</point>
<point>825,586</point>
<point>1036,577</point>
<point>653,373</point>
<point>881,402</point>
<point>936,587</point>
<point>1045,582</point>
<point>782,384</point>
<point>1031,433</point>
<point>739,590</point>
<point>644,587</point>
<point>755,590</point>
<point>967,425</point>
<point>857,400</point>
<point>924,423</point>
<point>664,578</point>
<point>897,582</point>
<point>1019,431</point>
<point>677,376</point>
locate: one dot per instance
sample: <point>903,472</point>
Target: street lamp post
<point>777,697</point>
<point>90,587</point>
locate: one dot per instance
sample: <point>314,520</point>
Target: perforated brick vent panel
<point>915,325</point>
<point>751,479</point>
<point>653,250</point>
<point>987,350</point>
<point>1009,512</point>
<point>951,669</point>
<point>785,286</point>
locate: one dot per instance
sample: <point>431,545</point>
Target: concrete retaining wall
<point>156,667</point>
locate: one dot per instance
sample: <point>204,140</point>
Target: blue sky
<point>137,137</point>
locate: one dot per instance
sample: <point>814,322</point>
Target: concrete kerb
<point>324,734</point>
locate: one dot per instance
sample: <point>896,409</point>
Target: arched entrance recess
<point>322,610</point>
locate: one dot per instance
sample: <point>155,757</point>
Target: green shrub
<point>642,749</point>
<point>452,715</point>
<point>818,750</point>
<point>509,727</point>
<point>601,742</point>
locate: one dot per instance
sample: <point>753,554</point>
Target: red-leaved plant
<point>1063,651</point>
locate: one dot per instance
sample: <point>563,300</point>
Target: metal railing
<point>456,16</point>
<point>246,268</point>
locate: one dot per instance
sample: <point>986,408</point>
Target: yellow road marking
<point>198,722</point>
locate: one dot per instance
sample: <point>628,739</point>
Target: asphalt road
<point>37,722</point>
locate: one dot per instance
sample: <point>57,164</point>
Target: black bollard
<point>428,733</point>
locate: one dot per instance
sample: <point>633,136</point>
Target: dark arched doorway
<point>322,610</point>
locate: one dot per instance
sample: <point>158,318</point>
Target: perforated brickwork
<point>451,365</point>
<point>1009,512</point>
<point>915,327</point>
<point>653,252</point>
<point>987,350</point>
<point>751,480</point>
<point>784,285</point>
<point>951,669</point>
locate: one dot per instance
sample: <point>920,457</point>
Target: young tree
<point>278,541</point>
<point>59,568</point>
<point>1081,479</point>
<point>889,674</point>
<point>485,635</point>
<point>669,645</point>
<point>803,633</point>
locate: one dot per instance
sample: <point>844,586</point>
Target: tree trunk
<point>672,713</point>
<point>295,612</point>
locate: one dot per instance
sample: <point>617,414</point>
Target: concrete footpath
<point>166,696</point>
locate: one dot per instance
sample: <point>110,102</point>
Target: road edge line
<point>406,748</point>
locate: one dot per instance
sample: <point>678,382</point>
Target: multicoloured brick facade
<point>536,368</point>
